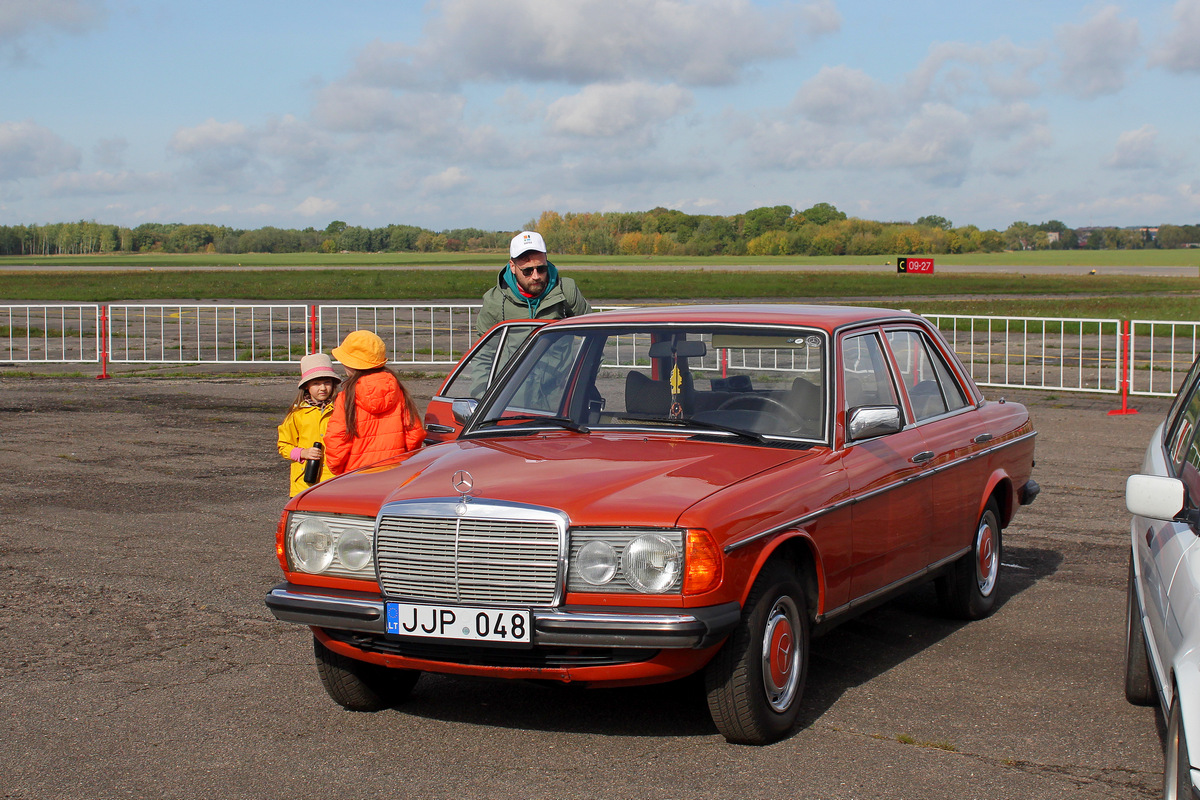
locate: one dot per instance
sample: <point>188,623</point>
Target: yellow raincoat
<point>301,428</point>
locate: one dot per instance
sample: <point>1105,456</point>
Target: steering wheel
<point>758,402</point>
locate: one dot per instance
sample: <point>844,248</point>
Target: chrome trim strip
<point>686,628</point>
<point>866,599</point>
<point>820,512</point>
<point>327,610</point>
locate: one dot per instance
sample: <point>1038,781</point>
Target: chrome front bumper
<point>575,626</point>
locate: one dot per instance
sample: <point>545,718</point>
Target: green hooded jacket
<point>560,299</point>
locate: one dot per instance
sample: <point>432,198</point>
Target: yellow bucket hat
<point>361,350</point>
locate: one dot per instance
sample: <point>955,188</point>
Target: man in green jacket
<point>529,287</point>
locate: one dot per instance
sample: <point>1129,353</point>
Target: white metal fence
<point>1078,355</point>
<point>1160,354</point>
<point>414,335</point>
<point>1064,354</point>
<point>63,333</point>
<point>207,334</point>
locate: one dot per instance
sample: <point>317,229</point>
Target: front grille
<point>468,560</point>
<point>539,657</point>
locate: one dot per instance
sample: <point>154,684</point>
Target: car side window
<point>1187,390</point>
<point>866,377</point>
<point>931,385</point>
<point>1183,448</point>
<point>489,358</point>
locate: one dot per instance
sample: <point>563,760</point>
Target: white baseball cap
<point>525,241</point>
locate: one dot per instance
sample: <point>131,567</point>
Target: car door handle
<point>433,427</point>
<point>981,438</point>
<point>922,457</point>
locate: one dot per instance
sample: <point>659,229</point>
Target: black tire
<point>969,589</point>
<point>1139,685</point>
<point>1177,768</point>
<point>360,686</point>
<point>755,681</point>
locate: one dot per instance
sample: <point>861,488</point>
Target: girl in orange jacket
<point>374,416</point>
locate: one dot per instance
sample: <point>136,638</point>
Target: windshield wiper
<point>714,426</point>
<point>522,420</point>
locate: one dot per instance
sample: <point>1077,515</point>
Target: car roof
<point>828,317</point>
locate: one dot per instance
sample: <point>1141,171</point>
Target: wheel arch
<point>1000,489</point>
<point>1184,686</point>
<point>797,549</point>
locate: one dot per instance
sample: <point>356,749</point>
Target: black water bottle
<point>312,467</point>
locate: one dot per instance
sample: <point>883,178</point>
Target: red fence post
<point>312,328</point>
<point>1125,366</point>
<point>103,344</point>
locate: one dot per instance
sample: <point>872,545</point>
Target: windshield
<point>719,380</point>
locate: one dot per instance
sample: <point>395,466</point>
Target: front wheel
<point>755,681</point>
<point>360,686</point>
<point>968,590</point>
<point>1139,686</point>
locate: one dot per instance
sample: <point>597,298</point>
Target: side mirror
<point>1154,497</point>
<point>463,409</point>
<point>866,422</point>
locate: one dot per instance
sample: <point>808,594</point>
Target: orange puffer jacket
<point>382,422</point>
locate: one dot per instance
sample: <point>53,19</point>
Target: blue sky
<point>484,113</point>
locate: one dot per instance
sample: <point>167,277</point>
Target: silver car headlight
<point>330,544</point>
<point>625,560</point>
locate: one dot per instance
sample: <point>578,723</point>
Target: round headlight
<point>312,546</point>
<point>651,563</point>
<point>354,550</point>
<point>596,562</point>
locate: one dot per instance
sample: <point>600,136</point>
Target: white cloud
<point>447,180</point>
<point>610,110</point>
<point>1136,149</point>
<point>956,70</point>
<point>701,42</point>
<point>1180,51</point>
<point>211,135</point>
<point>282,154</point>
<point>1096,54</point>
<point>28,150</point>
<point>316,207</point>
<point>19,17</point>
<point>840,95</point>
<point>107,183</point>
<point>366,109</point>
<point>111,152</point>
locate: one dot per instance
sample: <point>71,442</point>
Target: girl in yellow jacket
<point>308,417</point>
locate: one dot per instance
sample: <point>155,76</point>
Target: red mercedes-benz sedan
<point>634,496</point>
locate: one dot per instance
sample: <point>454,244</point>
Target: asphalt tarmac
<point>137,659</point>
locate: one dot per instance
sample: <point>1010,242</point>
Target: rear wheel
<point>359,686</point>
<point>968,590</point>
<point>1139,686</point>
<point>755,681</point>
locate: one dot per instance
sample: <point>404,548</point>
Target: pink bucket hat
<point>316,365</point>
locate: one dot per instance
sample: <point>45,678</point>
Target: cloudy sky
<point>484,113</point>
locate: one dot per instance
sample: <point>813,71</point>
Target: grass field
<point>1030,258</point>
<point>1012,294</point>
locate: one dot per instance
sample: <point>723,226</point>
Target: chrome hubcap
<point>781,655</point>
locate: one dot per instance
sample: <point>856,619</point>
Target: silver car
<point>1162,637</point>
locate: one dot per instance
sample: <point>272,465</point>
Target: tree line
<point>820,230</point>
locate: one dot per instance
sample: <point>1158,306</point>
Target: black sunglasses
<point>527,271</point>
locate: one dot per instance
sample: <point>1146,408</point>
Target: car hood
<point>596,479</point>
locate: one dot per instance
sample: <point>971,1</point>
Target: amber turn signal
<point>704,563</point>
